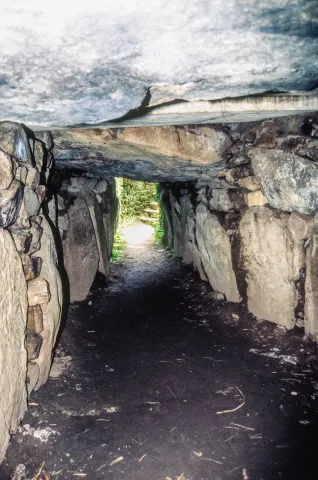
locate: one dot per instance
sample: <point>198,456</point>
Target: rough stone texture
<point>215,250</point>
<point>33,345</point>
<point>177,226</point>
<point>38,291</point>
<point>226,200</point>
<point>31,202</point>
<point>255,199</point>
<point>245,48</point>
<point>289,182</point>
<point>46,138</point>
<point>14,141</point>
<point>250,183</point>
<point>32,376</point>
<point>100,234</point>
<point>35,319</point>
<point>300,226</point>
<point>6,171</point>
<point>110,209</point>
<point>154,154</point>
<point>81,257</point>
<point>311,284</point>
<point>10,203</point>
<point>52,310</point>
<point>272,261</point>
<point>13,301</point>
<point>191,254</point>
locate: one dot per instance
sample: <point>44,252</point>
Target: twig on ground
<point>234,409</point>
<point>242,426</point>
<point>39,472</point>
<point>117,460</point>
<point>141,458</point>
<point>171,392</point>
<point>211,460</point>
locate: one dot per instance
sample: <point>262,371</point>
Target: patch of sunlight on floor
<point>138,234</point>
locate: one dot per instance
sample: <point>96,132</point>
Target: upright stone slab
<point>100,233</point>
<point>311,284</point>
<point>272,261</point>
<point>215,250</point>
<point>81,257</point>
<point>51,310</point>
<point>13,356</point>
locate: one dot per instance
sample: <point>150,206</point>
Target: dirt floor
<point>153,381</point>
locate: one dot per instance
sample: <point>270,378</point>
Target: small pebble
<point>294,393</point>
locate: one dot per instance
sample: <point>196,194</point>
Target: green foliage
<point>119,246</point>
<point>135,198</point>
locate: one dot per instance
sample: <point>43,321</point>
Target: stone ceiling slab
<point>62,65</point>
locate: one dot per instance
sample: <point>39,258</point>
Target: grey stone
<point>36,231</point>
<point>21,174</point>
<point>63,220</point>
<point>149,48</point>
<point>215,250</point>
<point>101,186</point>
<point>31,266</point>
<point>32,376</point>
<point>216,296</point>
<point>14,142</point>
<point>100,234</point>
<point>45,137</point>
<point>81,257</point>
<point>226,200</point>
<point>33,345</point>
<point>39,155</point>
<point>311,284</point>
<point>10,203</point>
<point>22,240</point>
<point>13,356</point>
<point>289,182</point>
<point>150,154</point>
<point>191,254</point>
<point>272,261</point>
<point>110,210</point>
<point>38,291</point>
<point>33,178</point>
<point>52,310</point>
<point>31,202</point>
<point>35,319</point>
<point>300,226</point>
<point>6,170</point>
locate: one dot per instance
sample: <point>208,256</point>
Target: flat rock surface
<point>62,65</point>
<point>152,363</point>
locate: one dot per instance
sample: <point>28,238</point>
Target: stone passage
<point>239,203</point>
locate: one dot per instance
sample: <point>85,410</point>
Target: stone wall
<point>30,286</point>
<point>55,234</point>
<point>87,219</point>
<point>252,230</point>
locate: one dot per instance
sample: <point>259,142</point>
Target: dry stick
<point>234,409</point>
<point>242,426</point>
<point>39,472</point>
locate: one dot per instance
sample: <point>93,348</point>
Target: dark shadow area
<point>154,362</point>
